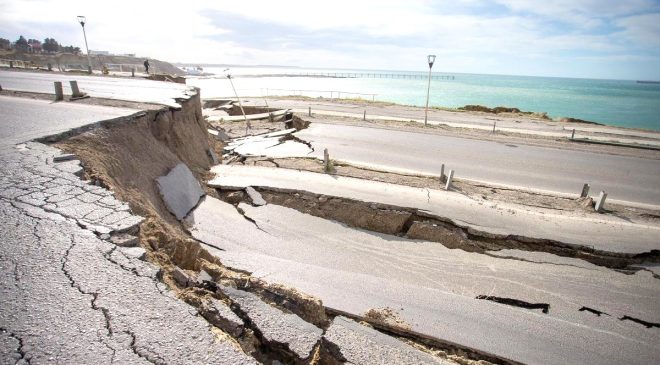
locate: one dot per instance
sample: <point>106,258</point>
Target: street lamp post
<point>81,20</point>
<point>240,104</point>
<point>431,59</point>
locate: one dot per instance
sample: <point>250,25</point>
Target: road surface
<point>25,119</point>
<point>433,288</point>
<point>623,178</point>
<point>69,295</point>
<point>601,232</point>
<point>138,90</point>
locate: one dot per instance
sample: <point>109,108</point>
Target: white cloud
<point>394,34</point>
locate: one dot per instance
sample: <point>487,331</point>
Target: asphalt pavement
<point>120,88</point>
<point>433,289</point>
<point>69,294</point>
<point>541,168</point>
<point>23,119</point>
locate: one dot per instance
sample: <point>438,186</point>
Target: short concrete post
<point>50,67</point>
<point>133,72</point>
<point>11,64</point>
<point>600,202</point>
<point>442,173</point>
<point>309,112</point>
<point>585,191</point>
<point>270,117</point>
<point>364,116</point>
<point>449,179</point>
<point>494,123</point>
<point>75,92</point>
<point>573,134</point>
<point>59,93</point>
<point>326,160</point>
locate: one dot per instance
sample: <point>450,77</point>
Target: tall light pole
<point>431,59</point>
<point>240,104</point>
<point>81,20</point>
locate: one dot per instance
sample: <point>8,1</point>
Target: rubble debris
<point>279,329</point>
<point>516,303</point>
<point>64,157</point>
<point>205,281</point>
<point>254,195</point>
<point>386,316</point>
<point>124,240</point>
<point>134,252</point>
<point>182,278</point>
<point>220,315</point>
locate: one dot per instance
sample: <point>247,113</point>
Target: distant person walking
<point>146,66</point>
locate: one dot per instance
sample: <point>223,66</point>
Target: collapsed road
<point>439,292</point>
<point>233,282</point>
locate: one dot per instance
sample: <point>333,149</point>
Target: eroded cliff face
<point>127,157</point>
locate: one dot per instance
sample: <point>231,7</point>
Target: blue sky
<point>566,38</point>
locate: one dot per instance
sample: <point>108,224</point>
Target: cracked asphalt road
<point>68,294</point>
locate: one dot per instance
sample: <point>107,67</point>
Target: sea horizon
<point>434,71</point>
<point>623,103</point>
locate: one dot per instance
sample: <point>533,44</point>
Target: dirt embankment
<point>128,157</point>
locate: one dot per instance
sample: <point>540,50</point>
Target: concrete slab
<point>275,325</point>
<point>254,195</point>
<point>180,190</point>
<point>220,315</point>
<point>362,345</point>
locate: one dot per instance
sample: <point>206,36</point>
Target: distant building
<point>99,53</point>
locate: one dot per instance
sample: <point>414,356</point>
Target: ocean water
<point>615,102</point>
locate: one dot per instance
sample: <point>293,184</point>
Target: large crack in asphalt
<point>421,225</point>
<point>20,349</point>
<point>545,307</point>
<point>136,351</point>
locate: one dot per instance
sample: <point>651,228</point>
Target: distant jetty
<point>647,82</point>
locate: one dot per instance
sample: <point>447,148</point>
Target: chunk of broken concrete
<point>204,280</point>
<point>359,344</point>
<point>182,278</point>
<point>180,190</point>
<point>134,252</point>
<point>124,240</point>
<point>254,195</point>
<point>277,327</point>
<point>220,315</point>
<point>64,157</point>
